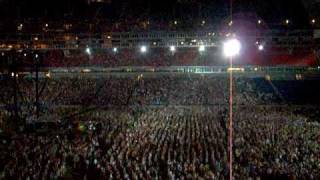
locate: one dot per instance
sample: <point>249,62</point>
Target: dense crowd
<point>139,89</point>
<point>165,127</point>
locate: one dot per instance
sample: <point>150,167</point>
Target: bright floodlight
<point>143,49</point>
<point>115,49</point>
<point>231,47</point>
<point>261,47</point>
<point>202,48</point>
<point>287,21</point>
<point>172,48</point>
<point>88,51</point>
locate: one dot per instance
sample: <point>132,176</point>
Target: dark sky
<point>270,10</point>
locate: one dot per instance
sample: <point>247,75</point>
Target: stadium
<point>184,89</point>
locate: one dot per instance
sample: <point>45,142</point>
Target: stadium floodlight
<point>88,51</point>
<point>172,48</point>
<point>115,49</point>
<point>231,47</point>
<point>202,48</point>
<point>143,49</point>
<point>261,47</point>
<point>287,21</point>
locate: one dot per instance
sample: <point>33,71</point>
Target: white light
<point>231,47</point>
<point>25,54</point>
<point>313,21</point>
<point>88,51</point>
<point>172,48</point>
<point>47,25</point>
<point>115,49</point>
<point>261,47</point>
<point>175,22</point>
<point>143,49</point>
<point>48,75</point>
<point>37,56</point>
<point>259,21</point>
<point>287,21</point>
<point>202,48</point>
<point>86,70</point>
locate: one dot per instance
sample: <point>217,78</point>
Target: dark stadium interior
<point>160,89</point>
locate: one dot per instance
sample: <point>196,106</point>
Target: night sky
<point>270,10</point>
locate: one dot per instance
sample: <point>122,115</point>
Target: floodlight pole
<point>230,144</point>
<point>231,104</point>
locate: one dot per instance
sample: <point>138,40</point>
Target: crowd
<point>164,127</point>
<point>139,89</point>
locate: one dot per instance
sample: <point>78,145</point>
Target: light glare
<point>202,48</point>
<point>231,47</point>
<point>287,21</point>
<point>172,48</point>
<point>143,49</point>
<point>88,51</point>
<point>261,47</point>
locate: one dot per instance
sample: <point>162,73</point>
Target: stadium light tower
<point>231,47</point>
<point>260,47</point>
<point>88,50</point>
<point>287,21</point>
<point>202,48</point>
<point>172,48</point>
<point>143,49</point>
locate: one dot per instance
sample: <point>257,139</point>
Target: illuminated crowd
<point>163,127</point>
